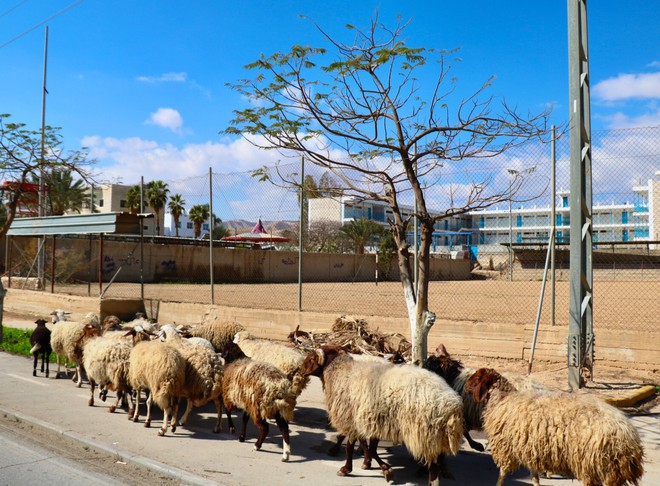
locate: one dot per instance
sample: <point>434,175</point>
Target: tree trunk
<point>3,292</point>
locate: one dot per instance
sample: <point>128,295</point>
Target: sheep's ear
<point>441,350</point>
<point>321,356</point>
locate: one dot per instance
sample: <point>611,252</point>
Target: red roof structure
<point>257,235</point>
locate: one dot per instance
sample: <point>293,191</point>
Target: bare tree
<point>23,155</point>
<point>358,111</point>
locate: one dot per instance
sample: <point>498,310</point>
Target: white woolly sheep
<point>106,361</point>
<point>456,375</point>
<point>573,435</point>
<point>404,404</point>
<point>161,369</point>
<point>65,341</point>
<point>285,358</point>
<point>218,333</point>
<point>261,391</point>
<point>203,374</point>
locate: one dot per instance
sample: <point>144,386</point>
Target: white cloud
<point>629,86</point>
<point>167,118</point>
<point>164,78</point>
<point>622,120</point>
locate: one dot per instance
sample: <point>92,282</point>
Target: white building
<point>634,221</point>
<point>111,198</point>
<point>186,227</point>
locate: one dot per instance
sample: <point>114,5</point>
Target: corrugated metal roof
<point>124,223</point>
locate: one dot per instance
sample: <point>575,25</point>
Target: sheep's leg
<point>434,473</point>
<point>262,425</point>
<point>174,405</point>
<point>500,479</point>
<point>477,446</point>
<point>244,422</point>
<point>47,355</point>
<point>92,385</point>
<point>284,430</point>
<point>230,423</point>
<point>218,423</point>
<point>535,478</point>
<point>388,473</point>
<point>137,406</point>
<point>57,356</point>
<point>34,365</point>
<point>103,392</point>
<point>186,414</point>
<point>347,468</point>
<point>150,401</point>
<point>78,376</point>
<point>366,463</point>
<point>114,406</point>
<point>166,417</point>
<point>334,450</point>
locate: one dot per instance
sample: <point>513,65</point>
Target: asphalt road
<point>194,455</point>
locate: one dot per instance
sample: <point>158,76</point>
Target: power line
<point>69,7</point>
<point>12,8</point>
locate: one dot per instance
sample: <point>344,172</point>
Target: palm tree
<point>198,214</point>
<point>64,193</point>
<point>156,197</point>
<point>133,199</point>
<point>360,232</point>
<point>176,207</point>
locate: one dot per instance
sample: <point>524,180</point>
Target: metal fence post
<point>211,221</point>
<point>300,238</point>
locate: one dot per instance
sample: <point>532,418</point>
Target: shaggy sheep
<point>40,341</point>
<point>573,435</point>
<point>65,341</point>
<point>261,391</point>
<point>456,375</point>
<point>285,358</point>
<point>370,400</point>
<point>161,369</point>
<point>106,361</point>
<point>217,333</point>
<point>203,374</point>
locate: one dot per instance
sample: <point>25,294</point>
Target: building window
<point>122,203</point>
<point>100,203</point>
<point>178,225</point>
<point>624,218</point>
<point>564,201</point>
<point>205,226</point>
<point>189,225</point>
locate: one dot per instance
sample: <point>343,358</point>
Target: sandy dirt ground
<point>626,305</point>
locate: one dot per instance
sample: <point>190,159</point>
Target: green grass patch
<point>16,341</point>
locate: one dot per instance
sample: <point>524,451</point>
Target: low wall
<point>169,261</point>
<point>614,347</point>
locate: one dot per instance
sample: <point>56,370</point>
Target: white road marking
<point>29,380</point>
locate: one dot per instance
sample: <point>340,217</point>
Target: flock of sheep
<point>368,399</point>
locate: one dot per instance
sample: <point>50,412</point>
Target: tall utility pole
<point>41,256</point>
<point>580,334</point>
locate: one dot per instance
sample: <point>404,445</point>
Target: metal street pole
<point>300,237</point>
<point>553,225</point>
<point>580,332</point>
<point>211,227</point>
<point>510,244</point>
<point>44,92</point>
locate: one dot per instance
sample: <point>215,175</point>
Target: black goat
<point>40,341</point>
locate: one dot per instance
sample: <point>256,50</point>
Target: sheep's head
<point>241,336</point>
<point>138,333</point>
<point>111,322</point>
<point>59,315</point>
<point>88,331</point>
<point>232,352</point>
<point>40,322</point>
<point>484,382</point>
<point>317,360</point>
<point>444,365</point>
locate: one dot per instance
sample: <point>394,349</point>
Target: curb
<point>633,398</point>
<point>183,476</point>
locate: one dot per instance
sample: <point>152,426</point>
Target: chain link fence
<point>488,264</point>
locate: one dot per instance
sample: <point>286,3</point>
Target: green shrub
<point>17,341</point>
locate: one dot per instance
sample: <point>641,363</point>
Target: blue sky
<point>143,84</point>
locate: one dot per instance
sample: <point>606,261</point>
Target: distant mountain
<point>243,226</point>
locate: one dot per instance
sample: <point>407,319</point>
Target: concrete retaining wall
<point>512,341</point>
